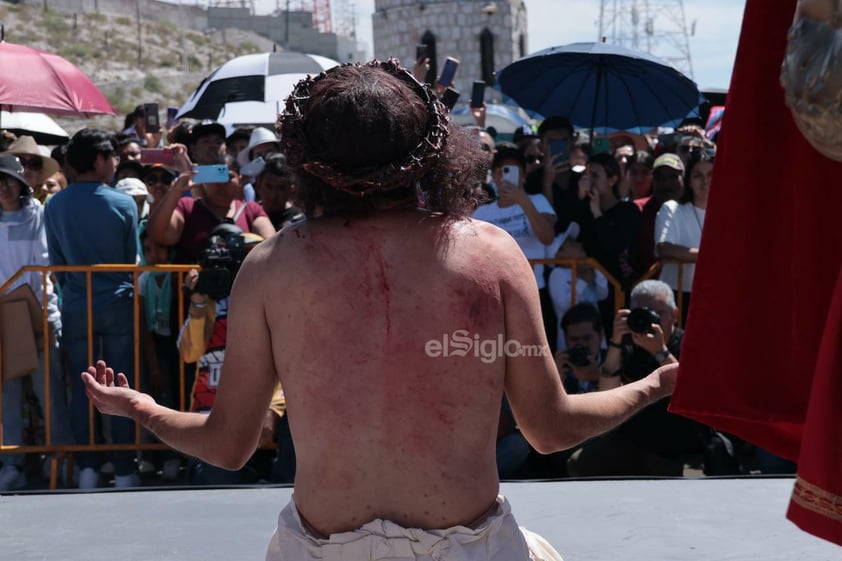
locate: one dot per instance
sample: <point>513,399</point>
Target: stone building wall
<point>399,25</point>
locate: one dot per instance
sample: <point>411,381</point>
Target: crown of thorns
<point>363,181</point>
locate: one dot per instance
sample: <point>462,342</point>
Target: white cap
<point>132,187</point>
<point>571,232</point>
<point>259,136</point>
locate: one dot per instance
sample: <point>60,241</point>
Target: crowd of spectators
<point>631,210</point>
<point>129,197</point>
<point>613,218</point>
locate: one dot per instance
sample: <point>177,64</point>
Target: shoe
<point>171,469</point>
<point>88,478</point>
<point>11,478</point>
<point>127,481</point>
<point>146,467</point>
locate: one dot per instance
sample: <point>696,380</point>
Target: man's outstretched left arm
<point>227,436</point>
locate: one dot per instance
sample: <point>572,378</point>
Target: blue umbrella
<point>600,87</point>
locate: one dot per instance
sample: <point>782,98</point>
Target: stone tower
<point>483,35</point>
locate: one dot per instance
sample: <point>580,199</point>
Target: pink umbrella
<point>44,82</point>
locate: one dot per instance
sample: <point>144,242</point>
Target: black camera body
<point>220,261</point>
<point>579,356</point>
<point>640,320</point>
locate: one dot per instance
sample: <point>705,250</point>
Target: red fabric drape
<point>761,357</point>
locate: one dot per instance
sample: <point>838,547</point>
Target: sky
<point>558,22</point>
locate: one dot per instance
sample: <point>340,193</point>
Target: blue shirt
<point>92,224</point>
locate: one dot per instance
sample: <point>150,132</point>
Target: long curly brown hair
<point>360,137</point>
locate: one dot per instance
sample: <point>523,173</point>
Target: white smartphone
<point>511,174</point>
<point>253,168</point>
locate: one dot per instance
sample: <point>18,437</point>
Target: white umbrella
<point>260,113</point>
<point>41,127</point>
<point>264,77</point>
<point>506,119</point>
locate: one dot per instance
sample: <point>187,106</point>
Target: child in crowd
<point>591,285</point>
<point>157,303</point>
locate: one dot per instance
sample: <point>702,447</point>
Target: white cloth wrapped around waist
<point>497,538</point>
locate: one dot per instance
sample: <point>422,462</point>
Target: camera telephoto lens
<point>640,320</point>
<point>579,356</point>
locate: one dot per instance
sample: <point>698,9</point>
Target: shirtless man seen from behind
<point>342,308</point>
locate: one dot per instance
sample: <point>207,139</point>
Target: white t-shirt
<point>514,220</point>
<point>679,225</point>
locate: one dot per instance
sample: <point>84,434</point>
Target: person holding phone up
<point>528,218</point>
<point>186,222</point>
<point>555,178</point>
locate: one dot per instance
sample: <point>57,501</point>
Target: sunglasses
<point>535,160</point>
<point>32,163</point>
<point>156,178</point>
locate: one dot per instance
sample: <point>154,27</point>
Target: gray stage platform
<point>630,520</point>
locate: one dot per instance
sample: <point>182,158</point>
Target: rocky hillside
<point>163,65</point>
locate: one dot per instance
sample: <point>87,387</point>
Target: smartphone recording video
<point>172,111</point>
<point>151,117</point>
<point>449,98</point>
<point>478,94</point>
<point>161,156</point>
<point>511,174</point>
<point>448,72</point>
<point>601,145</point>
<point>560,148</point>
<point>214,173</point>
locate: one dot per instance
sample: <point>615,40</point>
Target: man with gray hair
<point>653,442</point>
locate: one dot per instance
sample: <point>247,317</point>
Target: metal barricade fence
<point>620,294</point>
<point>89,271</point>
<point>574,265</point>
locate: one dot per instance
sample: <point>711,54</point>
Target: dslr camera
<point>579,356</point>
<point>640,320</point>
<point>220,261</point>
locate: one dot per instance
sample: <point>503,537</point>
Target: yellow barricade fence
<point>49,446</point>
<point>620,294</point>
<point>573,265</point>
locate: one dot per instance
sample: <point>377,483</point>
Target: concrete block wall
<point>303,36</point>
<point>189,15</point>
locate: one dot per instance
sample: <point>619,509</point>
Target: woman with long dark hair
<point>615,222</point>
<point>678,226</point>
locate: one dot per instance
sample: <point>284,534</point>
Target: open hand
<point>184,182</point>
<point>110,395</point>
<point>181,158</point>
<point>479,115</point>
<point>420,69</point>
<point>621,325</point>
